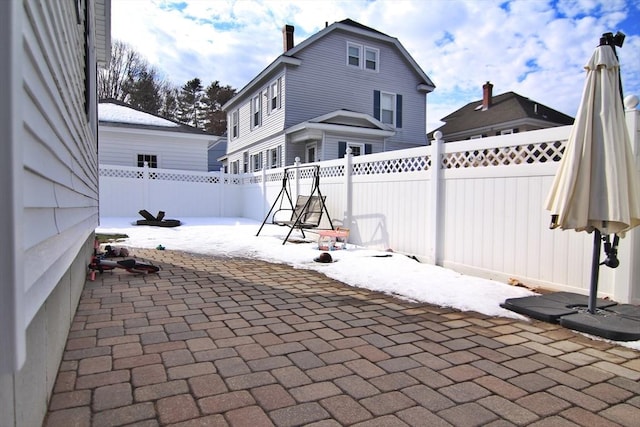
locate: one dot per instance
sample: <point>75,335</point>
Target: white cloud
<point>524,46</point>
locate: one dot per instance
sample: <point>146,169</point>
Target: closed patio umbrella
<point>596,188</point>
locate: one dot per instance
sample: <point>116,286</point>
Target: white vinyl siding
<point>272,122</point>
<point>174,150</point>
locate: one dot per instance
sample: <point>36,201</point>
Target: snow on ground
<point>386,272</point>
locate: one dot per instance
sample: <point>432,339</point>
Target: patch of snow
<point>120,114</point>
<point>391,273</point>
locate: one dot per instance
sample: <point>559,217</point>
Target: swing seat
<point>306,214</point>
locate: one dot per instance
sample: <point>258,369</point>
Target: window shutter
<point>342,149</point>
<point>367,148</point>
<point>279,161</point>
<point>376,104</point>
<point>398,111</point>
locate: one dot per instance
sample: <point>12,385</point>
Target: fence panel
<point>475,206</point>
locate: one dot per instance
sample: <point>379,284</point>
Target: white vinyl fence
<point>477,209</point>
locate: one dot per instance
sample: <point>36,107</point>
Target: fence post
<point>434,255</point>
<point>627,276</point>
<point>145,186</point>
<point>297,178</point>
<point>265,202</point>
<point>348,184</point>
<point>220,193</point>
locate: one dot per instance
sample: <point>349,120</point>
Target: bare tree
<point>125,65</point>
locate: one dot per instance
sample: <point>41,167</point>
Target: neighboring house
<point>131,137</point>
<point>499,115</point>
<point>49,55</point>
<point>346,86</point>
<point>217,150</point>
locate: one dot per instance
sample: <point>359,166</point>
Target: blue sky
<point>536,48</point>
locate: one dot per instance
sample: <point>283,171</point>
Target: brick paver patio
<point>213,341</point>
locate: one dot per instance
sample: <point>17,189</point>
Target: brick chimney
<point>287,37</point>
<point>487,93</point>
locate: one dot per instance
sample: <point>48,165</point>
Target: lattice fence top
<point>332,171</point>
<point>121,173</point>
<point>408,164</point>
<point>541,152</point>
<point>164,175</point>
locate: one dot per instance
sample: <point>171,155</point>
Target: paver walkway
<point>212,341</point>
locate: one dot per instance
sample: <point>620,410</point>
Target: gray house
<point>346,86</point>
<point>502,114</point>
<point>48,186</point>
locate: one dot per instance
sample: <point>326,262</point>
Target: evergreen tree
<point>145,92</point>
<point>215,97</point>
<point>190,104</point>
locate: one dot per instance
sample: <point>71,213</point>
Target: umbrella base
<point>551,307</point>
<point>618,322</point>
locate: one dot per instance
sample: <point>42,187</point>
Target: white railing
<point>478,208</point>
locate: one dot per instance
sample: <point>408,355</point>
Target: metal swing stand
<point>299,213</point>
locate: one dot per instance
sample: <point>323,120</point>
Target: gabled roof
<point>347,25</point>
<point>344,121</point>
<point>506,107</point>
<point>120,114</point>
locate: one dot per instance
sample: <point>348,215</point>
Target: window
<point>235,166</point>
<point>274,95</point>
<point>256,162</point>
<point>150,159</point>
<point>245,162</point>
<point>371,58</point>
<point>256,111</point>
<point>235,124</point>
<point>311,153</point>
<point>353,54</point>
<point>363,57</point>
<point>387,107</point>
<point>275,154</point>
<point>357,149</point>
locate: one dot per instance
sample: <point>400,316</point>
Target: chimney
<point>487,93</point>
<point>287,37</point>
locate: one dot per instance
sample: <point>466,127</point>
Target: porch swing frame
<point>299,211</point>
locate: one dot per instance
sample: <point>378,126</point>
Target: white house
<point>49,55</point>
<point>346,86</point>
<point>130,137</point>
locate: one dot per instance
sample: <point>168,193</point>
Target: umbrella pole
<point>595,269</point>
